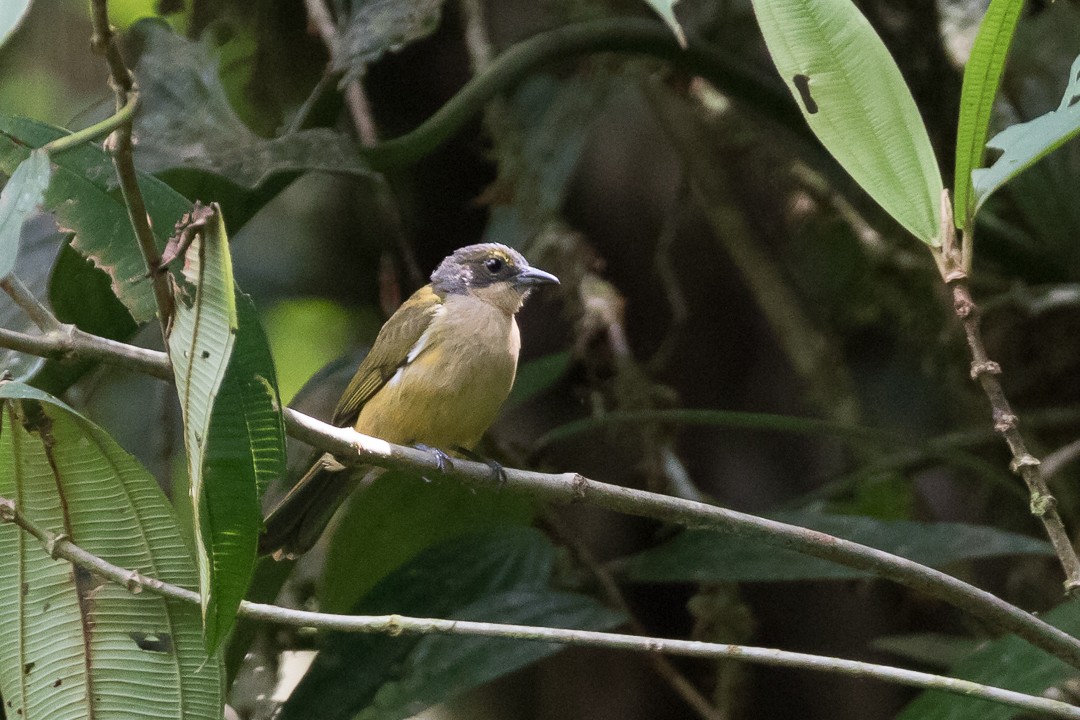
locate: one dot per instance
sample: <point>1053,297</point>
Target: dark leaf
<point>378,26</point>
<point>186,121</point>
<point>710,556</point>
<point>501,575</point>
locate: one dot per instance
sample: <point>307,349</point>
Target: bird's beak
<point>535,276</point>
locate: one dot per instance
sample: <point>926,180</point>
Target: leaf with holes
<point>74,646</point>
<point>82,196</point>
<point>855,100</point>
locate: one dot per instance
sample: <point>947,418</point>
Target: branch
<point>352,448</point>
<point>39,314</point>
<point>953,264</point>
<point>59,546</point>
<point>109,124</point>
<point>103,42</point>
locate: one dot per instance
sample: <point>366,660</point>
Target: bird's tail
<point>295,524</point>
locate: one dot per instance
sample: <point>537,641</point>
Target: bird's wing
<point>392,349</point>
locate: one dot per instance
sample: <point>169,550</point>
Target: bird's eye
<point>493,265</point>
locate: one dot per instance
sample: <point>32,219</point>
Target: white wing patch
<point>423,341</point>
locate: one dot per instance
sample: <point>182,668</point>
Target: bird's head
<point>491,272</point>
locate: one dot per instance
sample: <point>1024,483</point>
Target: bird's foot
<point>498,472</point>
<point>442,460</point>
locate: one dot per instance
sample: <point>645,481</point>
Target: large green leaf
<point>1007,663</point>
<point>710,556</point>
<point>856,102</point>
<point>375,27</point>
<point>498,576</point>
<point>1025,143</point>
<point>233,431</point>
<point>82,195</point>
<point>22,194</point>
<point>73,646</point>
<point>396,517</point>
<point>185,120</point>
<point>982,77</point>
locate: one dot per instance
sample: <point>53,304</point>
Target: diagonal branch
<point>104,43</point>
<point>352,448</point>
<point>60,547</point>
<point>953,263</point>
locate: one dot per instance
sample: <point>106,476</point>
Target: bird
<point>436,377</point>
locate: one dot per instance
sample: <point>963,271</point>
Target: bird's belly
<point>443,399</point>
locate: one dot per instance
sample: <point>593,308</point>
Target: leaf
<point>185,120</point>
<point>1009,663</point>
<point>20,198</point>
<point>536,376</point>
<point>666,10</point>
<point>856,102</point>
<point>12,13</point>
<point>398,516</point>
<point>73,646</point>
<point>1024,143</point>
<point>982,78</point>
<point>500,575</point>
<point>232,431</point>
<point>37,252</point>
<point>377,26</point>
<point>82,197</point>
<point>442,667</point>
<point>711,556</point>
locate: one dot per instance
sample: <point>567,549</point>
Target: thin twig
<point>104,43</point>
<point>352,448</point>
<point>39,314</point>
<point>109,124</point>
<point>368,133</point>
<point>953,262</point>
<point>662,665</point>
<point>59,546</point>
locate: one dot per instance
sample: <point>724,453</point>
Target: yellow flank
<point>459,374</point>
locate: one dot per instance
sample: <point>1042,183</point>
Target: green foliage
<point>73,645</point>
<point>1021,145</point>
<point>186,120</point>
<point>233,430</point>
<point>855,100</point>
<point>22,194</point>
<point>83,199</point>
<point>713,557</point>
<point>1008,663</point>
<point>499,576</point>
<point>982,78</point>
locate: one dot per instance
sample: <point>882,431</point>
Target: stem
<point>123,115</point>
<point>103,41</point>
<point>39,314</point>
<point>987,373</point>
<point>953,263</point>
<point>352,448</point>
<point>618,35</point>
<point>59,546</point>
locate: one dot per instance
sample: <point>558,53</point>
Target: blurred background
<point>713,258</point>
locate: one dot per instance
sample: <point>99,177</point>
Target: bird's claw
<point>442,460</point>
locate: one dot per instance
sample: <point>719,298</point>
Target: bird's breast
<point>454,382</point>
